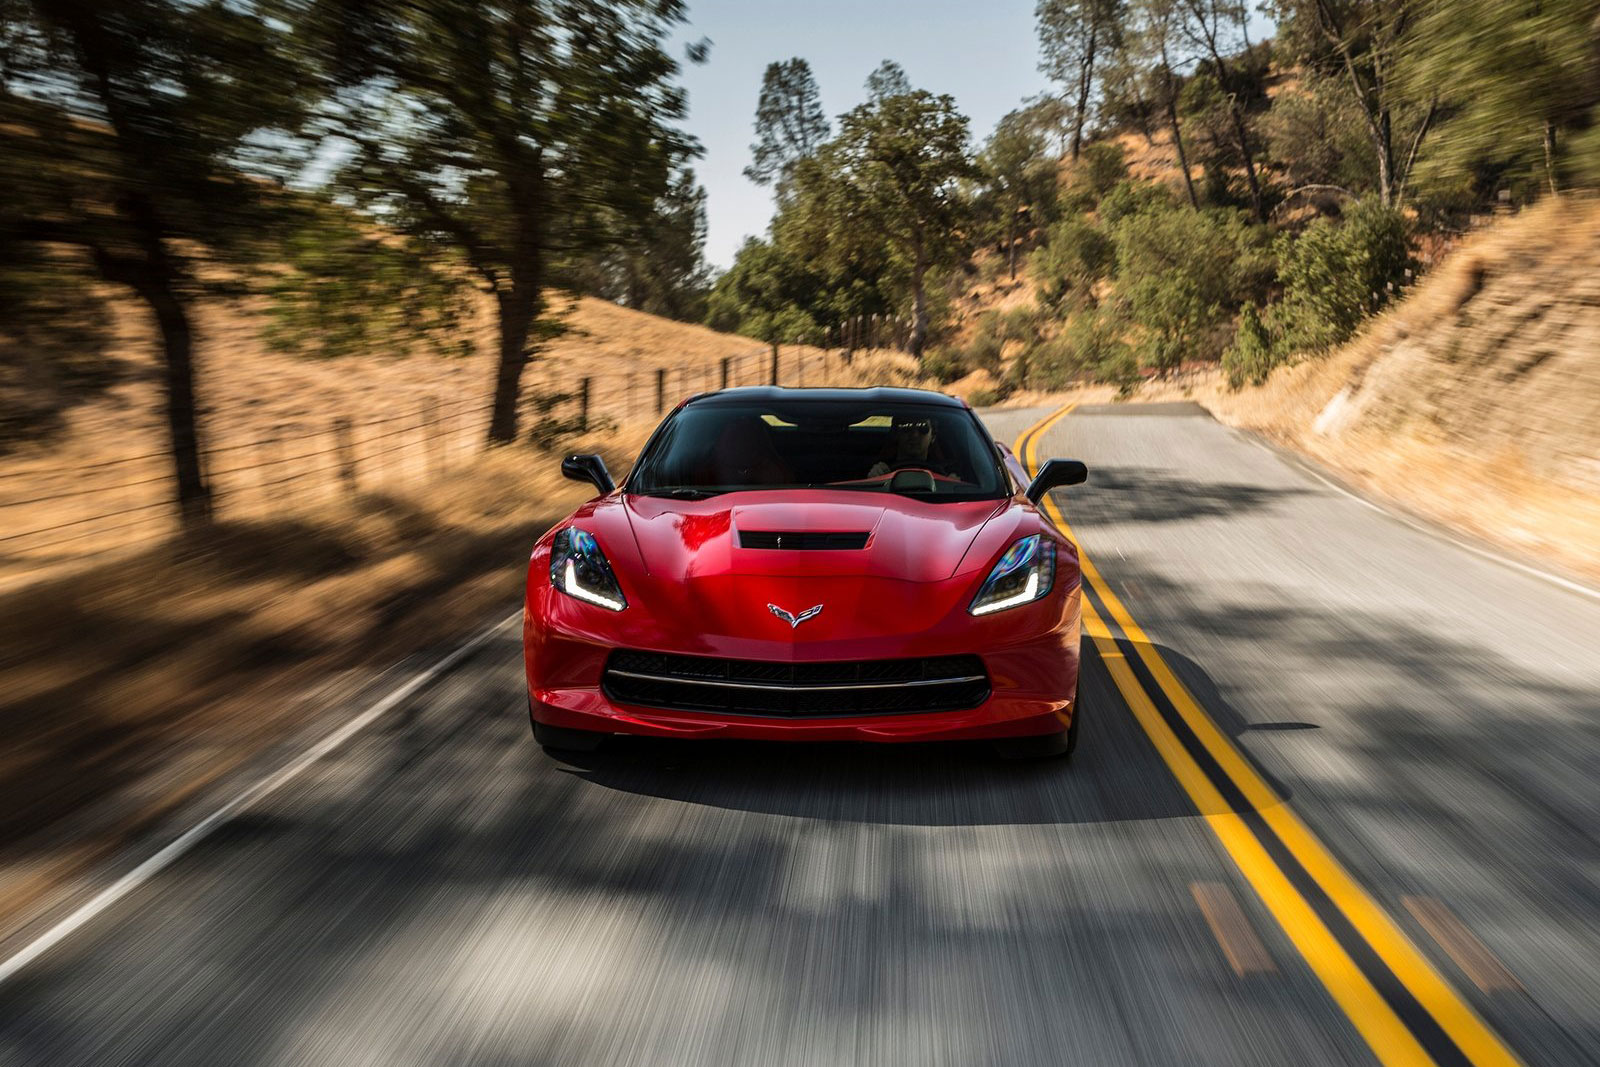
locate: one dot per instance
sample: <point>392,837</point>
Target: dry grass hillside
<point>1476,400</point>
<point>270,419</point>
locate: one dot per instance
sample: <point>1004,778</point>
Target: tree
<point>901,159</point>
<point>1218,28</point>
<point>1050,116</point>
<point>1513,81</point>
<point>790,124</point>
<point>1154,43</point>
<point>1182,272</point>
<point>1020,175</point>
<point>662,268</point>
<point>124,129</point>
<point>515,133</point>
<point>1366,44</point>
<point>767,294</point>
<point>888,80</point>
<point>1075,35</point>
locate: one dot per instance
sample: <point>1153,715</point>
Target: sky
<point>982,53</point>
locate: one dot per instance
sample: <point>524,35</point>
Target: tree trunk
<point>1085,83</point>
<point>519,307</point>
<point>177,349</point>
<point>1011,243</point>
<point>1171,95</point>
<point>919,311</point>
<point>1550,157</point>
<point>1240,136</point>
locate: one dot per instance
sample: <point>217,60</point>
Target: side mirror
<point>1054,474</point>
<point>588,468</point>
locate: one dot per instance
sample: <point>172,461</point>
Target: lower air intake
<point>795,690</point>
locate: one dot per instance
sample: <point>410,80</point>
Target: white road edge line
<point>195,834</point>
<point>1431,531</point>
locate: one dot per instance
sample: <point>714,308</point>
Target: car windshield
<point>926,450</point>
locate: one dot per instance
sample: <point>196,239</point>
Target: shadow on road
<point>1115,775</point>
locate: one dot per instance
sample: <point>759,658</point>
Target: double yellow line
<point>1267,842</point>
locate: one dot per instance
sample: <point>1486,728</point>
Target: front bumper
<point>1032,667</point>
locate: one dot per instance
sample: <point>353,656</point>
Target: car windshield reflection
<point>938,452</point>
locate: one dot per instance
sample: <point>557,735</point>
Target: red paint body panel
<point>692,590</point>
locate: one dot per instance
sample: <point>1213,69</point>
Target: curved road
<point>1335,802</point>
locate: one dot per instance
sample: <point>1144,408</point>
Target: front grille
<point>795,690</point>
<point>802,541</point>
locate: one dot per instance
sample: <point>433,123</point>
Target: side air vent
<point>801,541</point>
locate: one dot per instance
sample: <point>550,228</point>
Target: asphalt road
<point>437,890</point>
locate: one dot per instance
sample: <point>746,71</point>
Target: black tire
<point>1044,746</point>
<point>557,739</point>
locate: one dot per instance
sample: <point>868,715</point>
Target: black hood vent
<point>802,541</point>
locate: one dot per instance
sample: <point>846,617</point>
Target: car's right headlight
<point>579,569</point>
<point>1023,575</point>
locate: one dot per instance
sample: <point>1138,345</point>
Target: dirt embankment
<point>1476,400</point>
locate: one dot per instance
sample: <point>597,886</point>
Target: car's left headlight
<point>1023,575</point>
<point>579,569</point>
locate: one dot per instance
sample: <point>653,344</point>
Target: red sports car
<point>811,565</point>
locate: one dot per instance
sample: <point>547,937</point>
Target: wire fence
<point>54,515</point>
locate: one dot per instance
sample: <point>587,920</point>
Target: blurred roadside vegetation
<point>368,168</point>
<point>1185,195</point>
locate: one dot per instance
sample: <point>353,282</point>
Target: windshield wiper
<point>682,492</point>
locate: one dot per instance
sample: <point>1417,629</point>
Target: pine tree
<point>790,124</point>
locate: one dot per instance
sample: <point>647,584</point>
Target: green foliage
<point>1074,257</point>
<point>945,364</point>
<point>661,269</point>
<point>1250,358</point>
<point>1090,346</point>
<point>1101,167</point>
<point>518,135</point>
<point>1075,36</point>
<point>893,175</point>
<point>1019,178</point>
<point>767,294</point>
<point>889,79</point>
<point>344,290</point>
<point>1515,82</point>
<point>1132,198</point>
<point>790,122</point>
<point>1338,272</point>
<point>1319,137</point>
<point>1181,273</point>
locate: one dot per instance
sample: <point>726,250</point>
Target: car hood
<point>906,539</point>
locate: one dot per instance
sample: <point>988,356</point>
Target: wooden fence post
<point>345,446</point>
<point>661,390</point>
<point>583,406</point>
<point>432,463</point>
<point>726,360</point>
<point>774,365</point>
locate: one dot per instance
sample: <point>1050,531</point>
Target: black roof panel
<point>773,394</point>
